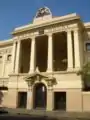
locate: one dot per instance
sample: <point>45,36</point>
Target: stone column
<point>30,99</point>
<point>13,57</point>
<point>3,65</point>
<point>32,58</point>
<point>50,53</point>
<point>77,49</point>
<point>69,51</point>
<point>17,57</point>
<point>50,99</point>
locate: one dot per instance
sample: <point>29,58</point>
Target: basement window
<point>3,88</point>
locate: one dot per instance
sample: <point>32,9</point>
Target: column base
<point>70,69</point>
<point>77,69</point>
<point>31,71</point>
<point>49,71</point>
<point>73,69</point>
<point>12,72</point>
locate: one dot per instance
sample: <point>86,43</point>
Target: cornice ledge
<point>45,23</point>
<point>6,42</point>
<point>87,25</point>
<point>65,72</point>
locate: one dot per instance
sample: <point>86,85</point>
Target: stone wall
<point>86,101</point>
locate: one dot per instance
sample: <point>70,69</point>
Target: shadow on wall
<point>1,97</point>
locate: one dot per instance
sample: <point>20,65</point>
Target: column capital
<point>68,30</point>
<point>32,37</point>
<point>15,38</point>
<point>49,34</point>
<point>14,42</point>
<point>19,41</point>
<point>76,29</point>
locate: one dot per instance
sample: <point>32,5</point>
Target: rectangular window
<point>0,58</point>
<point>87,46</point>
<point>9,58</point>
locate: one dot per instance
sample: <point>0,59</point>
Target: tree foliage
<point>85,71</point>
<point>85,74</point>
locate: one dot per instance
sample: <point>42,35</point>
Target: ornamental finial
<point>44,11</point>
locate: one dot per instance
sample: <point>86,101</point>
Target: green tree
<point>85,74</point>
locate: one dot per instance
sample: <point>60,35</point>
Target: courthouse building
<point>39,65</point>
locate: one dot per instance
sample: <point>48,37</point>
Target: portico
<point>45,47</point>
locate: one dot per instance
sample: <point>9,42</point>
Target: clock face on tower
<point>43,12</point>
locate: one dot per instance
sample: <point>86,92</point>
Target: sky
<point>15,13</point>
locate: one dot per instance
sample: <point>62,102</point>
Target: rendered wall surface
<point>86,101</point>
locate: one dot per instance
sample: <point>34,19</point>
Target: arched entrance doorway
<point>40,95</point>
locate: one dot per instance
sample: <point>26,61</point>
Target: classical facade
<point>39,65</point>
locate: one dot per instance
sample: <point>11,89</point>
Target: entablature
<point>46,30</point>
<point>6,43</point>
<point>87,25</point>
<point>6,50</point>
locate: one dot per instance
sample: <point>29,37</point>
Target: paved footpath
<point>46,115</point>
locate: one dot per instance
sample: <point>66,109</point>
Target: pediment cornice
<point>53,21</point>
<point>32,78</point>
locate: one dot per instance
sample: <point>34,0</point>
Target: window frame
<point>9,57</point>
